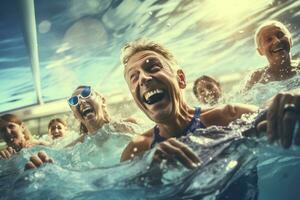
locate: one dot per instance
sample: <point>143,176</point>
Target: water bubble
<point>210,158</point>
<point>150,12</point>
<point>135,149</point>
<point>132,155</point>
<point>231,164</point>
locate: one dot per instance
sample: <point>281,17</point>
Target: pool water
<point>91,170</point>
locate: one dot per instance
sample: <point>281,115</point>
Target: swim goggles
<point>85,93</point>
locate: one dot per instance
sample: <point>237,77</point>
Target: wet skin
<point>57,130</point>
<point>208,92</point>
<point>89,110</point>
<point>13,135</point>
<point>154,86</point>
<point>275,44</point>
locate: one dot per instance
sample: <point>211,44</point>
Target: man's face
<point>274,43</point>
<point>88,110</point>
<point>153,85</point>
<point>208,92</point>
<point>57,130</point>
<point>13,134</point>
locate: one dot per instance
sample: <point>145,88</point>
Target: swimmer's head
<point>89,107</point>
<point>154,79</point>
<point>273,40</point>
<point>57,128</point>
<point>14,132</point>
<point>207,90</point>
<point>139,45</point>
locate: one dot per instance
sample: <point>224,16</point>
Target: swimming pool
<point>92,170</point>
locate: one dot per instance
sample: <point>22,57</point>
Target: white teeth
<point>148,94</point>
<point>277,49</point>
<point>85,109</point>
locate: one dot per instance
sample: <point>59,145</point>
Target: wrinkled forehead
<point>137,59</point>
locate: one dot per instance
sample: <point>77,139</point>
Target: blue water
<point>204,42</point>
<point>91,170</point>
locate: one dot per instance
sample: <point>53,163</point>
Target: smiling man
<point>274,41</point>
<point>156,83</point>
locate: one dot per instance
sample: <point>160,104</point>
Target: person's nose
<point>145,78</point>
<point>7,129</point>
<point>275,40</point>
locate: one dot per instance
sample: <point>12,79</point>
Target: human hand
<point>282,120</point>
<point>7,153</point>
<point>172,149</point>
<point>38,160</point>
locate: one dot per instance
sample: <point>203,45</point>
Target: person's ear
<point>181,79</point>
<point>260,52</point>
<point>22,126</point>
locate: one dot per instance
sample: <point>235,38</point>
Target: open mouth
<point>87,111</point>
<point>153,96</point>
<point>278,49</point>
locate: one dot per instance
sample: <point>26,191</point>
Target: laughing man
<point>156,83</point>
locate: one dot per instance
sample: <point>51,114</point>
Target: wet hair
<point>82,127</point>
<point>268,24</point>
<point>143,44</point>
<point>59,120</point>
<point>204,78</point>
<point>15,119</point>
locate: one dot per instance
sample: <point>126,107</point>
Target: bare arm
<point>254,78</point>
<point>224,114</point>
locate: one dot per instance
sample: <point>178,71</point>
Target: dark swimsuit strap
<point>194,124</point>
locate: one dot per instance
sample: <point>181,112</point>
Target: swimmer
<point>89,108</point>
<point>207,90</point>
<point>273,40</point>
<point>16,135</point>
<point>57,128</point>
<point>156,83</point>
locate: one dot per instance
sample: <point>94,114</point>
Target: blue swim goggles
<point>85,93</point>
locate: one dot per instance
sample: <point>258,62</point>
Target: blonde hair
<point>268,24</point>
<point>143,44</point>
<point>106,119</point>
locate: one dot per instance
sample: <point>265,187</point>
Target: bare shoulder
<point>255,77</point>
<point>137,145</point>
<point>222,115</point>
